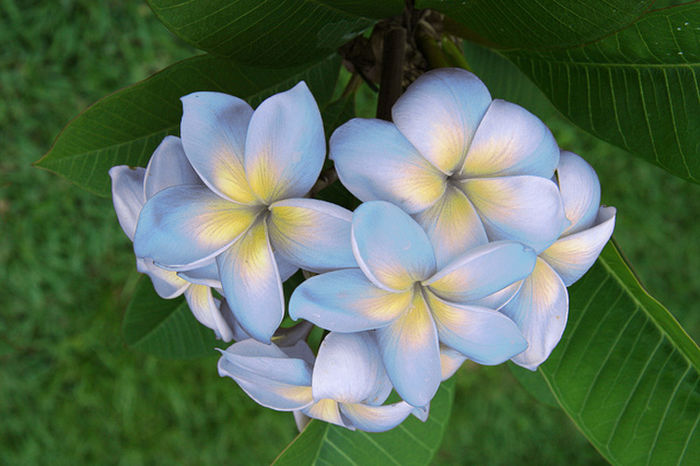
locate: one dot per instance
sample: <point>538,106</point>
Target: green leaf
<point>411,443</point>
<point>625,371</point>
<point>164,327</point>
<point>279,33</point>
<point>534,384</point>
<point>126,127</point>
<point>505,80</point>
<point>338,112</point>
<point>537,24</point>
<point>637,89</point>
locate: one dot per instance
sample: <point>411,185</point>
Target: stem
<point>392,71</point>
<point>431,50</point>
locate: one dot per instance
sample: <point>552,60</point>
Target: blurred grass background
<point>72,393</point>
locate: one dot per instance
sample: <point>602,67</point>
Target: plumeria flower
<point>131,188</point>
<point>248,213</point>
<point>413,305</point>
<point>468,168</point>
<point>345,385</point>
<point>541,306</point>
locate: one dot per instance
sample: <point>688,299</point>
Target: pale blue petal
<point>252,284</point>
<point>345,301</point>
<point>237,332</point>
<point>375,162</point>
<point>439,114</point>
<point>580,191</point>
<point>572,255</point>
<point>285,268</point>
<point>183,227</point>
<point>348,368</point>
<point>207,275</point>
<point>312,234</point>
<point>390,247</point>
<point>453,226</point>
<point>411,354</point>
<point>328,411</point>
<point>127,196</point>
<point>524,208</point>
<point>285,146</point>
<point>168,167</point>
<point>540,309</point>
<point>498,299</point>
<point>267,375</point>
<point>450,361</point>
<point>511,141</point>
<point>213,130</point>
<point>483,335</point>
<point>376,418</point>
<point>482,271</point>
<point>205,309</point>
<point>166,282</point>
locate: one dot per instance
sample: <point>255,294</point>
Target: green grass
<point>72,393</point>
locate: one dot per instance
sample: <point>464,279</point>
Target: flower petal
<point>183,227</point>
<point>267,375</point>
<point>511,141</point>
<point>376,162</point>
<point>411,353</point>
<point>206,310</point>
<point>450,361</point>
<point>213,130</point>
<point>348,368</point>
<point>483,335</point>
<point>390,247</point>
<point>522,208</point>
<point>313,234</point>
<point>252,284</point>
<point>127,196</point>
<point>572,255</point>
<point>168,167</point>
<point>580,191</point>
<point>376,418</point>
<point>326,410</point>
<point>238,334</point>
<point>207,275</point>
<point>540,309</point>
<point>166,282</point>
<point>439,114</point>
<point>498,299</point>
<point>285,145</point>
<point>285,268</point>
<point>345,301</point>
<point>482,271</point>
<point>452,225</point>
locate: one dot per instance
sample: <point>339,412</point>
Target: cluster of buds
<point>472,225</point>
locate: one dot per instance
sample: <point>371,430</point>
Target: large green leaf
<point>625,371</point>
<point>273,33</point>
<point>411,443</point>
<point>164,328</point>
<point>637,89</point>
<point>538,24</point>
<point>125,127</point>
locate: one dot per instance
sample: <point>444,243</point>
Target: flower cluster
<point>473,224</point>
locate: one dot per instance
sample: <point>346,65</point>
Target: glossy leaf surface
<point>272,33</point>
<point>125,127</point>
<point>164,328</point>
<point>625,371</point>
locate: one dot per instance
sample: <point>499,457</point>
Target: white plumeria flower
<point>248,215</point>
<point>541,307</point>
<point>131,188</point>
<point>468,168</point>
<point>413,305</point>
<point>345,385</point>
